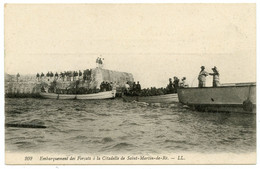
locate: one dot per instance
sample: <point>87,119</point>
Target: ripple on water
<point>115,126</point>
<point>107,140</point>
<point>123,146</point>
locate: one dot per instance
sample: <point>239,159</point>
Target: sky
<point>154,42</point>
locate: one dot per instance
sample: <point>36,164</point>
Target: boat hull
<point>94,96</point>
<point>167,98</point>
<point>225,98</point>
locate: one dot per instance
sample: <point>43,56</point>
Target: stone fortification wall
<point>22,87</point>
<point>100,75</point>
<point>32,85</point>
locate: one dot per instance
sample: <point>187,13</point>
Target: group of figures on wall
<point>65,76</point>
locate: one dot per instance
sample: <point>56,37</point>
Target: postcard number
<point>28,158</point>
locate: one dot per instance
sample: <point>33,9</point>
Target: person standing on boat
<point>202,77</point>
<point>114,85</point>
<point>183,83</point>
<point>215,75</point>
<point>170,86</point>
<point>175,83</point>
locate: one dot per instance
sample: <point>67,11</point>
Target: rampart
<point>31,85</point>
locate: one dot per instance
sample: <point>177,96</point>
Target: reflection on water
<point>114,126</point>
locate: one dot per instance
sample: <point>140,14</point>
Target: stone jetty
<point>30,85</point>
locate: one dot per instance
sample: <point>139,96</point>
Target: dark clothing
<point>176,84</point>
<point>107,86</point>
<point>134,87</point>
<point>170,87</point>
<point>202,83</point>
<point>138,87</point>
<point>100,61</point>
<point>215,79</point>
<point>102,86</point>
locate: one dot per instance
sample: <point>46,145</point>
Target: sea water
<point>115,126</point>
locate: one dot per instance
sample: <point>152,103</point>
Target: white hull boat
<point>94,96</point>
<point>240,97</point>
<point>167,98</point>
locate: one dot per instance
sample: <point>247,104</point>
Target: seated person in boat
<point>43,89</point>
<point>126,88</point>
<point>183,83</point>
<point>202,77</point>
<point>107,86</point>
<point>215,75</point>
<point>114,85</point>
<point>132,89</point>
<point>110,86</point>
<point>102,86</point>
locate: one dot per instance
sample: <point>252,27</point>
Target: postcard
<point>130,83</point>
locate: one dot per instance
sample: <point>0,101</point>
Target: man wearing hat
<point>215,75</point>
<point>202,77</point>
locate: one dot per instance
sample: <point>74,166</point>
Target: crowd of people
<point>75,89</point>
<point>134,89</point>
<point>153,91</point>
<point>69,75</point>
<point>81,90</point>
<point>66,75</point>
<point>175,84</point>
<point>130,88</point>
<point>106,86</point>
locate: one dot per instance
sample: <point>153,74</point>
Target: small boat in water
<point>167,98</point>
<point>237,97</point>
<point>94,96</point>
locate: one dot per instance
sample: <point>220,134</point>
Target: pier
<point>30,85</point>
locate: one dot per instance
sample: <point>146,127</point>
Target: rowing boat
<point>167,98</point>
<point>94,96</point>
